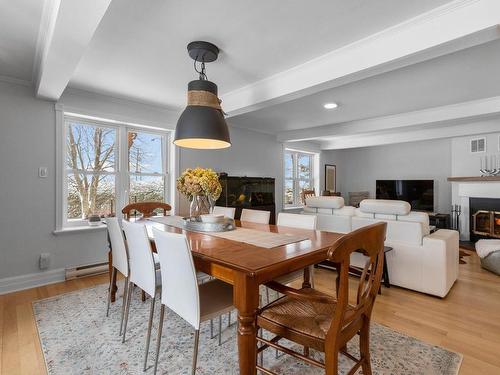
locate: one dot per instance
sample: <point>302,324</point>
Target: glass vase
<point>199,206</point>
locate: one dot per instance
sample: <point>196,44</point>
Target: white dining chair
<point>299,221</point>
<point>255,216</point>
<point>193,302</point>
<point>226,211</point>
<point>143,273</point>
<point>119,260</point>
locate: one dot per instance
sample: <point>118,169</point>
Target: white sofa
<point>419,260</point>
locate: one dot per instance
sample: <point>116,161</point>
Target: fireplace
<point>484,218</point>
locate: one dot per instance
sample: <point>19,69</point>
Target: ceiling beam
<point>461,130</point>
<point>427,133</point>
<point>66,30</point>
<point>453,113</point>
<point>446,29</point>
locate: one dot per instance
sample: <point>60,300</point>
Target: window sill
<point>79,229</point>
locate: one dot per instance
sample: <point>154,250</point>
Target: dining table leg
<point>246,300</point>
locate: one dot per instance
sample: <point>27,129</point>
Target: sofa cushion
<point>311,210</point>
<point>385,217</point>
<point>418,217</point>
<point>359,213</point>
<point>325,202</point>
<point>383,206</point>
<point>344,211</point>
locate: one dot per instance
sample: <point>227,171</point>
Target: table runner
<point>254,237</point>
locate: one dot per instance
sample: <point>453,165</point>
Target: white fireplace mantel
<point>463,191</point>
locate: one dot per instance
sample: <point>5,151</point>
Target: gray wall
<point>27,203</point>
<point>251,154</point>
<point>357,169</point>
<point>464,163</point>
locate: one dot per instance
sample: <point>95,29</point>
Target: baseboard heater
<point>86,270</point>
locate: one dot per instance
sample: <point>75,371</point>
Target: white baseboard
<point>32,280</point>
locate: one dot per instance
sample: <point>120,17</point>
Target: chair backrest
<point>306,193</point>
<point>370,242</point>
<point>297,220</point>
<point>255,216</point>
<point>142,265</point>
<point>145,208</point>
<point>178,275</point>
<point>226,211</point>
<point>118,248</point>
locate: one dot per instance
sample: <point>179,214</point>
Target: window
<point>299,175</point>
<point>478,145</point>
<point>106,166</point>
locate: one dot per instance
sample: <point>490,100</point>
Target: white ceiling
<point>463,76</point>
<point>139,49</point>
<point>19,24</point>
<point>397,68</point>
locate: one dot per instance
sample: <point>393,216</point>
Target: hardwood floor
<point>467,321</point>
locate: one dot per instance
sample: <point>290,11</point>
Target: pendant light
<point>202,124</point>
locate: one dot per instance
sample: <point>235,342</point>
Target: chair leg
<point>195,350</point>
<point>220,330</point>
<point>158,341</point>
<point>127,309</point>
<point>143,296</point>
<point>364,348</point>
<point>113,275</point>
<point>211,328</point>
<point>261,354</point>
<point>229,319</point>
<point>148,335</point>
<point>125,291</point>
<point>332,362</point>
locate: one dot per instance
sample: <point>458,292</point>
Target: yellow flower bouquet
<point>199,182</point>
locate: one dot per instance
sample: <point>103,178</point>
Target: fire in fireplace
<point>485,218</point>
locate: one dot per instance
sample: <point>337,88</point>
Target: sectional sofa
<point>421,261</point>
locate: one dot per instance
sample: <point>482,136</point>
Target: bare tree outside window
<point>92,168</point>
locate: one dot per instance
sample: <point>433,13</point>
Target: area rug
<point>77,338</point>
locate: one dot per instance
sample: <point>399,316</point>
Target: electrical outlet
<point>44,261</point>
<point>42,172</point>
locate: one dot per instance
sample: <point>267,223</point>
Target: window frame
<point>313,156</point>
<point>121,172</point>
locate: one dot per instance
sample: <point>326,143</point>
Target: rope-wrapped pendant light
<point>202,124</point>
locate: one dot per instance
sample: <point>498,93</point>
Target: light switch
<point>42,172</point>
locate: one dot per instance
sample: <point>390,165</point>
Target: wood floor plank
<point>465,321</point>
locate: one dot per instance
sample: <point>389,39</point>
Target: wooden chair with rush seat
<point>325,323</point>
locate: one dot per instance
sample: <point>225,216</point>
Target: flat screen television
<point>419,193</point>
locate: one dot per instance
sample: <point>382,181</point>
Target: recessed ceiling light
<point>330,105</point>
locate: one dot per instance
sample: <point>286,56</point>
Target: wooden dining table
<point>246,267</point>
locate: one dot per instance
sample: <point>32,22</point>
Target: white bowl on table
<point>211,218</point>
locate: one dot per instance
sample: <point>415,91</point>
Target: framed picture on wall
<point>330,177</point>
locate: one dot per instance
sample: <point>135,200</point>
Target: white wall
<point>358,169</point>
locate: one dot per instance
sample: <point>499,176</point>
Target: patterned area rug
<point>77,338</point>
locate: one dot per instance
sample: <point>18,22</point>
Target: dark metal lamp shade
<point>202,125</point>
